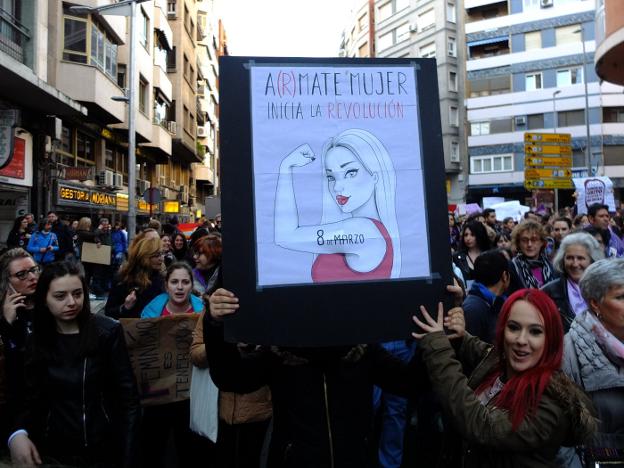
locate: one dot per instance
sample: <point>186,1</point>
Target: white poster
<point>592,190</point>
<point>338,179</point>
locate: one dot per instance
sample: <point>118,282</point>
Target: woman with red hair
<point>516,408</point>
<point>207,256</point>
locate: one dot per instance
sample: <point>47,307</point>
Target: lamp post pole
<point>555,125</point>
<point>581,30</point>
<point>132,86</point>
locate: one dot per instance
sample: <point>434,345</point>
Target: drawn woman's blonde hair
<point>375,158</point>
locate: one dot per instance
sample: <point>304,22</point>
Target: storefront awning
<point>491,40</point>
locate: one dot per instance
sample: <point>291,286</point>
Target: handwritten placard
<point>159,351</point>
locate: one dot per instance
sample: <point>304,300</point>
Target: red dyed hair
<point>522,392</point>
<point>210,246</point>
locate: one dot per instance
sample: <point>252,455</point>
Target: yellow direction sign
<point>549,184</point>
<point>547,161</point>
<point>547,137</point>
<point>547,173</point>
<point>547,149</point>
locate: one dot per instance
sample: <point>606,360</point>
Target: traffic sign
<point>547,161</point>
<point>547,174</point>
<point>547,149</point>
<point>547,137</point>
<point>548,184</point>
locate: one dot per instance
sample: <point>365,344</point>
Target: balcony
<point>161,81</point>
<point>13,36</point>
<point>161,143</point>
<point>203,174</point>
<point>478,10</point>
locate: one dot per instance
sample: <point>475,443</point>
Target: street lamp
<point>555,119</point>
<point>581,30</point>
<point>125,8</point>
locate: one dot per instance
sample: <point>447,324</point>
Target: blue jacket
<point>39,240</point>
<point>155,307</point>
<point>120,243</point>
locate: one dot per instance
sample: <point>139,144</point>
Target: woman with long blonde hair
<point>140,280</point>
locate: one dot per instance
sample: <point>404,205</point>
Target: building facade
<point>529,68</point>
<point>425,29</point>
<point>610,41</point>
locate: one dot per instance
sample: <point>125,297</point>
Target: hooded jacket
<point>41,240</point>
<point>155,307</point>
<point>563,416</point>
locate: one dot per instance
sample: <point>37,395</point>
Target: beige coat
<point>234,408</point>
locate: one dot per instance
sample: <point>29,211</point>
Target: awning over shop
<point>491,40</point>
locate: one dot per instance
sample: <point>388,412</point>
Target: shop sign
<point>17,166</point>
<point>144,206</point>
<point>77,195</point>
<point>171,206</point>
<point>8,121</point>
<point>122,202</point>
<point>76,173</point>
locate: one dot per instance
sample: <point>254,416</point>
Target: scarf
<point>610,345</point>
<point>575,298</point>
<point>524,266</point>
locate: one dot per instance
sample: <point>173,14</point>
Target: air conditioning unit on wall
<point>106,178</point>
<point>118,180</point>
<point>201,132</point>
<point>546,3</point>
<point>520,121</point>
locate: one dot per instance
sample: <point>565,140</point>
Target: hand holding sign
<point>222,303</point>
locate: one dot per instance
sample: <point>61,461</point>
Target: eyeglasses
<point>23,274</point>
<point>533,240</point>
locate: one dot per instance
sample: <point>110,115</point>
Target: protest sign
<point>95,253</point>
<point>332,167</point>
<point>591,190</point>
<point>159,350</point>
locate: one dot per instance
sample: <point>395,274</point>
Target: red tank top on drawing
<point>334,267</point>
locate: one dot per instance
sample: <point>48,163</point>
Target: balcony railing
<point>13,36</point>
<point>169,125</point>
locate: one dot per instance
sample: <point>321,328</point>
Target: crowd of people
<point>527,370</point>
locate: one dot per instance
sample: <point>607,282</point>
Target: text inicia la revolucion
<point>337,110</point>
<point>288,83</point>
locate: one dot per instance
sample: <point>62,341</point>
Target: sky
<point>285,28</point>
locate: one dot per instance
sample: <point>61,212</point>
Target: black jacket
<point>83,408</point>
<point>17,239</point>
<point>322,397</point>
<point>117,296</point>
<point>460,259</point>
<point>65,240</point>
<point>558,291</point>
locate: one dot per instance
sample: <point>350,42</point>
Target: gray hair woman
<point>576,252</point>
<point>594,355</point>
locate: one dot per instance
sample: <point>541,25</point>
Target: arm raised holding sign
<point>358,236</point>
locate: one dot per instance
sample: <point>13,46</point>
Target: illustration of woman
<point>358,236</point>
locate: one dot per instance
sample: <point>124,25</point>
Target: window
<point>450,13</point>
<point>533,81</point>
<point>428,50</point>
<point>453,116</point>
<point>171,7</point>
<point>85,148</point>
<point>75,45</point>
<point>67,142</point>
<point>160,52</point>
<point>363,50</point>
<point>612,114</point>
<point>143,94</point>
<point>186,123</point>
<point>495,163</point>
<point>454,151</point>
<point>452,81</point>
<point>479,128</point>
<point>363,22</point>
<point>426,20</point>
<point>143,29</point>
<point>533,40</point>
<point>535,121</point>
<point>186,69</point>
<point>76,148</point>
<point>571,118</point>
<point>384,11</point>
<point>161,110</point>
<point>99,51</point>
<point>488,86</point>
<point>569,76</point>
<point>451,47</point>
<point>566,34</point>
<point>385,40</point>
<point>402,32</point>
<point>171,59</point>
<point>530,4</point>
<point>187,20</point>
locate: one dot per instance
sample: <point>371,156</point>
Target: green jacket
<point>563,416</point>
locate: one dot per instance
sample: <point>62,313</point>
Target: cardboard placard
<point>91,253</point>
<point>159,350</point>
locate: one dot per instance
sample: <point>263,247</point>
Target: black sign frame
<point>332,313</point>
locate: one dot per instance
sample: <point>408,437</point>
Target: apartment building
<point>206,172</point>
<point>424,29</point>
<point>529,68</point>
<point>609,56</point>
<point>30,108</point>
